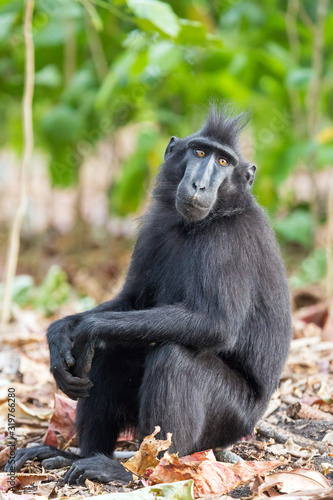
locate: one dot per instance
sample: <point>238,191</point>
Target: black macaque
<point>196,340</point>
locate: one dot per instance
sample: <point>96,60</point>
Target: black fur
<point>196,340</point>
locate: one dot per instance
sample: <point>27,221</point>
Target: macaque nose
<point>197,185</point>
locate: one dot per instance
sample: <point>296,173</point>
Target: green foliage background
<point>103,64</point>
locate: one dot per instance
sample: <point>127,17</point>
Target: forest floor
<point>297,427</point>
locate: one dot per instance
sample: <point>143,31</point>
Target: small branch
<point>313,95</point>
<point>305,17</point>
<point>70,51</point>
<point>329,241</point>
<point>97,52</point>
<point>111,8</point>
<point>295,49</point>
<point>281,436</point>
<point>291,27</point>
<point>14,240</point>
<point>317,63</point>
<point>301,410</point>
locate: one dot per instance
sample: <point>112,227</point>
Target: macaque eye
<point>223,162</point>
<point>200,152</point>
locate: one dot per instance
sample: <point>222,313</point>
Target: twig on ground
<point>281,436</point>
<point>300,410</point>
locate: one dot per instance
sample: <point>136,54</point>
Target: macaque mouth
<point>193,203</point>
<point>191,210</point>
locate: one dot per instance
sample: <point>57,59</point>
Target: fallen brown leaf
<point>317,314</point>
<point>24,411</point>
<point>4,455</point>
<point>26,496</point>
<point>22,480</point>
<point>93,488</point>
<point>290,482</point>
<point>146,456</point>
<point>210,477</point>
<point>47,489</point>
<point>325,493</point>
<point>328,326</point>
<point>291,448</point>
<point>62,424</point>
<point>34,372</point>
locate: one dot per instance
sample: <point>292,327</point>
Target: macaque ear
<point>170,146</point>
<point>251,174</point>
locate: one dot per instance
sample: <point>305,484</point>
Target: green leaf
<point>52,35</point>
<point>312,270</point>
<point>49,76</point>
<point>164,55</point>
<point>81,83</point>
<point>297,227</point>
<point>299,78</point>
<point>118,73</point>
<point>11,6</point>
<point>63,170</point>
<point>243,11</point>
<point>160,14</point>
<point>264,189</point>
<point>6,22</point>
<point>192,33</point>
<point>21,289</point>
<point>180,490</point>
<point>62,125</point>
<point>53,292</point>
<point>277,56</point>
<point>69,9</point>
<point>128,191</point>
<point>85,303</point>
<point>140,63</point>
<point>94,16</point>
<point>47,297</point>
<point>325,155</point>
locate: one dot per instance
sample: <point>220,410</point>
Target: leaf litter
<point>295,434</point>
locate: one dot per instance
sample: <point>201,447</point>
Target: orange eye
<point>200,152</point>
<point>223,162</point>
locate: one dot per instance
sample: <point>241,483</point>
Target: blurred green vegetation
<point>101,65</point>
<point>46,298</point>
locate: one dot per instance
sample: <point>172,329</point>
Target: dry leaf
<point>328,438</point>
<point>34,371</point>
<point>327,334</point>
<point>22,480</point>
<point>24,411</point>
<point>27,496</point>
<point>62,424</point>
<point>290,482</point>
<point>47,489</point>
<point>316,314</point>
<point>210,477</point>
<point>4,455</point>
<point>93,488</point>
<point>291,448</point>
<point>302,329</point>
<point>199,456</point>
<point>325,493</point>
<point>327,468</point>
<point>146,456</point>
